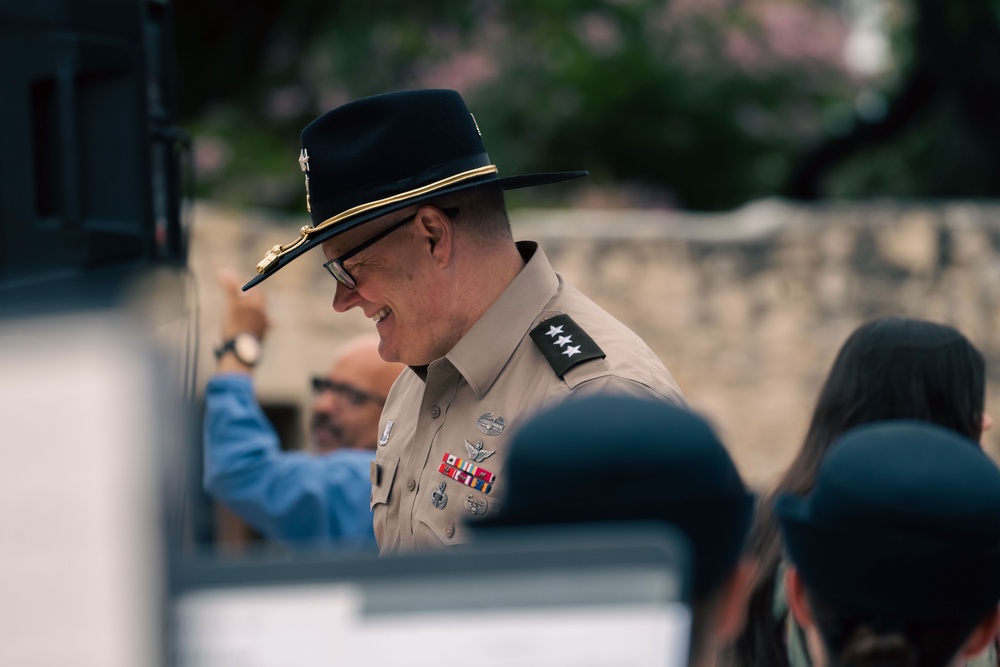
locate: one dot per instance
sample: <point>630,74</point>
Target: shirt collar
<point>487,347</point>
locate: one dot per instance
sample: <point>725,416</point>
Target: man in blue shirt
<point>304,499</point>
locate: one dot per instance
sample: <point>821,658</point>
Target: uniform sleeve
<point>622,385</point>
<point>293,497</point>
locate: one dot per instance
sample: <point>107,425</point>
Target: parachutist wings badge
<point>476,451</point>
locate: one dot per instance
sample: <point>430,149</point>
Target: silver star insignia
<point>553,331</point>
<point>571,350</point>
<point>304,160</point>
<point>563,340</point>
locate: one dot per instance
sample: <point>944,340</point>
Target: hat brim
<point>507,183</point>
<point>887,573</point>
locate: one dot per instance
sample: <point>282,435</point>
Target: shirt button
<point>411,484</point>
<point>435,412</point>
<point>450,530</point>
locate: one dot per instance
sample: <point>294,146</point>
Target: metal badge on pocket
<point>476,505</point>
<point>438,497</point>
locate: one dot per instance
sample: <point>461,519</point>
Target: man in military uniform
<point>410,215</point>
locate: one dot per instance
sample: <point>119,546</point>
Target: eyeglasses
<point>336,265</point>
<point>354,396</point>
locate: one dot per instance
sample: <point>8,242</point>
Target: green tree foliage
<point>938,136</point>
<point>701,104</point>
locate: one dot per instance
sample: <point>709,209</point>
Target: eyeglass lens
<point>354,396</point>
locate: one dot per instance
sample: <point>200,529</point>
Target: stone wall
<point>747,309</point>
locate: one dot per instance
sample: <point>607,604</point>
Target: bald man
<point>314,498</point>
<point>348,401</point>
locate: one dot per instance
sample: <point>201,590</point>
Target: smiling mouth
<point>381,315</point>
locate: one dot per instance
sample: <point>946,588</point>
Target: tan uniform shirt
<point>446,428</point>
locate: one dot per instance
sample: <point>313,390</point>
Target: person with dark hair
<point>409,213</point>
<point>652,461</point>
<point>895,554</point>
<point>888,368</point>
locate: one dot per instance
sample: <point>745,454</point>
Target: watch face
<point>247,349</point>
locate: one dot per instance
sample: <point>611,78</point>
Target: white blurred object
<point>554,596</point>
<point>867,51</point>
<point>81,532</point>
<point>319,625</point>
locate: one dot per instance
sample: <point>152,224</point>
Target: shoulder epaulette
<point>564,343</point>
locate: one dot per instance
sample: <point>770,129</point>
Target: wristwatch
<point>245,346</point>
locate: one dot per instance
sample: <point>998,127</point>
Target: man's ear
<point>436,232</point>
<point>986,631</point>
<point>797,600</point>
<point>732,607</point>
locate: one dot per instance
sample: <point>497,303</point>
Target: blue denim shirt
<point>297,498</point>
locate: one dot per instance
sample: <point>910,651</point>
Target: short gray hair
<point>482,213</point>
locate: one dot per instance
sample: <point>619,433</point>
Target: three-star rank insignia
<point>564,344</point>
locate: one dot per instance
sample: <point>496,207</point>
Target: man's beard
<point>326,433</point>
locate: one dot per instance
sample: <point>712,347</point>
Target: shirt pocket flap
<point>451,526</point>
<point>383,472</point>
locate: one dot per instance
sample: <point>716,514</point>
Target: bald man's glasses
<point>352,395</point>
<point>336,265</point>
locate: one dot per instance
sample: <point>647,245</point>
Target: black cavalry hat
<point>637,459</point>
<point>380,154</point>
<point>903,526</point>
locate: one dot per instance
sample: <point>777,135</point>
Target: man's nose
<point>344,299</point>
